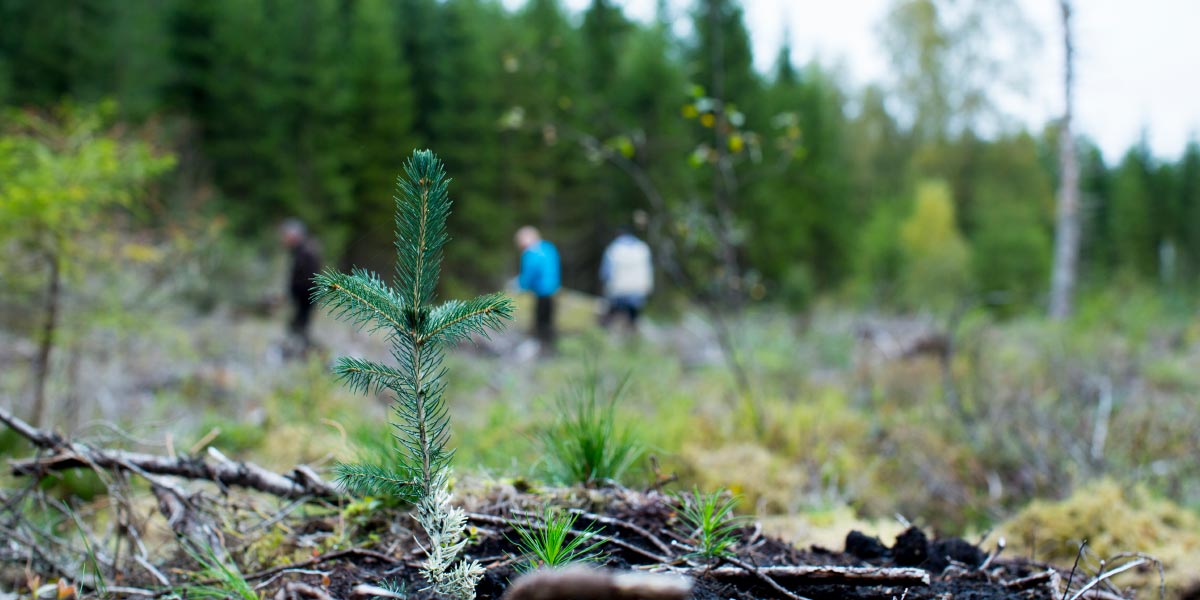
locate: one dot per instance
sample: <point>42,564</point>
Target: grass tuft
<point>230,583</point>
<point>708,521</point>
<point>586,445</point>
<point>548,540</point>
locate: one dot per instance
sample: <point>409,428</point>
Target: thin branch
<point>827,575</point>
<point>1108,575</point>
<point>650,537</point>
<point>301,482</point>
<point>767,579</point>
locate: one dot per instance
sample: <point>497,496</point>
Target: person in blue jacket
<point>541,276</point>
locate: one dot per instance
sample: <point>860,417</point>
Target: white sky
<point>1138,62</point>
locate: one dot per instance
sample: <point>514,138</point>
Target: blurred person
<point>627,273</point>
<point>541,276</point>
<point>306,263</point>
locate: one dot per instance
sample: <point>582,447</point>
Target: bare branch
<point>301,482</point>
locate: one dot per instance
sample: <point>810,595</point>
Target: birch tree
<point>1066,236</point>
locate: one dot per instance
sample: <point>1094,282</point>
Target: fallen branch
<point>815,575</point>
<point>757,573</point>
<point>301,482</point>
<point>366,590</point>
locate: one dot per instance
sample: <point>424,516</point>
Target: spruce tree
<point>458,107</point>
<point>417,331</point>
<point>381,124</point>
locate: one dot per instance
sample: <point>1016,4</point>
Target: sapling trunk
<point>46,342</point>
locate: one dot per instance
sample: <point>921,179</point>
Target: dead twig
<point>1000,545</point>
<point>767,579</point>
<point>650,537</point>
<point>366,590</point>
<point>276,576</point>
<point>117,590</point>
<point>301,482</point>
<point>295,589</point>
<point>150,568</point>
<point>1162,575</point>
<point>818,575</point>
<point>1031,581</point>
<point>1106,575</point>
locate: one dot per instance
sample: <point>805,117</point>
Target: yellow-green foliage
<point>811,452</point>
<point>936,258</point>
<point>61,174</point>
<point>1113,520</point>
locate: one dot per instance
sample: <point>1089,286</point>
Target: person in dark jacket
<point>306,263</point>
<point>541,276</point>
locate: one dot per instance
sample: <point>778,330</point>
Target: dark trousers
<point>299,324</point>
<point>543,322</point>
<point>618,307</point>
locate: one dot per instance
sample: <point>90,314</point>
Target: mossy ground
<point>854,432</point>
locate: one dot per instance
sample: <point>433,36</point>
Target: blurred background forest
<point>276,108</point>
<point>881,253</point>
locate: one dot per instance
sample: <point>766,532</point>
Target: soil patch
<point>638,526</point>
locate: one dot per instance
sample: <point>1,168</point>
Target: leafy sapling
<point>417,331</point>
<point>707,520</point>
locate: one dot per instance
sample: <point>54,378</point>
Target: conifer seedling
<point>418,331</point>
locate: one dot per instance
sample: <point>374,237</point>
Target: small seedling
<point>708,521</point>
<point>549,540</point>
<point>586,445</point>
<point>418,331</point>
<point>229,581</point>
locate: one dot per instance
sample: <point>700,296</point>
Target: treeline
<point>577,122</point>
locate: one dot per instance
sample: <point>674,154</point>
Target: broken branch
<point>301,482</point>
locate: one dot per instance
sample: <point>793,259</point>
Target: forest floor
<point>866,417</point>
<point>761,566</point>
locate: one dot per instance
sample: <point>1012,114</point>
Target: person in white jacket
<point>627,273</point>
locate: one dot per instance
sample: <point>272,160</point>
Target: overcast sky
<point>1138,60</point>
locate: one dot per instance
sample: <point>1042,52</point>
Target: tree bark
<point>41,370</point>
<point>1066,237</point>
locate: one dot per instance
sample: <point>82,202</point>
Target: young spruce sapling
<point>417,330</point>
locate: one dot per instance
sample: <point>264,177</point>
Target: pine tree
<point>417,331</point>
<point>457,82</point>
<point>381,124</point>
<point>1189,206</point>
<point>1131,228</point>
<point>798,214</point>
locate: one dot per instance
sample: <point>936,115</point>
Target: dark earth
<point>952,563</point>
